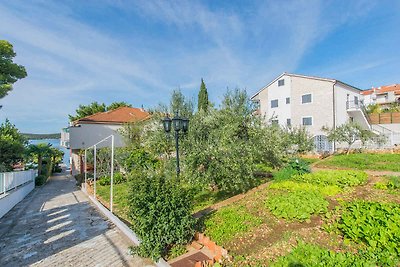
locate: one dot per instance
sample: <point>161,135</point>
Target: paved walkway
<point>57,226</point>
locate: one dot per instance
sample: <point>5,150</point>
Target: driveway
<point>56,225</point>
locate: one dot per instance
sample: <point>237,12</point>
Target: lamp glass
<point>167,124</point>
<point>176,121</point>
<point>185,124</point>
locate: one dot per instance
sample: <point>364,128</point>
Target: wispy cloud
<point>138,51</point>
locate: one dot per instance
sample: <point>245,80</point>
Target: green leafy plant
<point>161,210</point>
<point>312,255</point>
<point>326,190</point>
<point>341,178</point>
<point>376,225</point>
<point>297,205</point>
<point>228,222</point>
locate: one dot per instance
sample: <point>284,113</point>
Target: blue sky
<point>77,52</point>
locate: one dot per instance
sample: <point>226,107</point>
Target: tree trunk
<point>40,159</point>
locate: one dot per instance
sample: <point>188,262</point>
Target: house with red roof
<point>383,95</point>
<point>87,131</point>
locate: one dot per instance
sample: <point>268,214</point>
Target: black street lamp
<point>179,124</point>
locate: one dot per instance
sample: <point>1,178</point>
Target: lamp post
<point>179,124</point>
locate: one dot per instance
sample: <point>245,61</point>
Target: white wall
<point>87,135</point>
<point>12,198</point>
<point>321,107</point>
<point>283,111</point>
<point>341,92</point>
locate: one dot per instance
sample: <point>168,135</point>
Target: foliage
<point>12,146</point>
<point>374,109</point>
<point>223,146</point>
<point>180,105</point>
<point>116,105</point>
<point>341,178</point>
<point>392,183</point>
<point>312,255</point>
<point>132,158</point>
<point>364,161</point>
<point>10,72</point>
<point>40,180</point>
<point>293,167</point>
<point>228,222</point>
<point>161,211</point>
<point>349,133</point>
<point>87,110</point>
<point>297,205</point>
<point>39,152</point>
<point>202,102</point>
<point>300,141</point>
<point>118,179</point>
<point>326,190</point>
<point>375,224</point>
<point>176,251</point>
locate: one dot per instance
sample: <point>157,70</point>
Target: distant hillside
<point>31,136</point>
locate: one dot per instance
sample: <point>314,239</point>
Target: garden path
<point>57,226</point>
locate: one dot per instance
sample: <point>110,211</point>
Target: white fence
<point>11,180</point>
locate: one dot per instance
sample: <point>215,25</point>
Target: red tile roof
<point>117,116</point>
<point>383,89</point>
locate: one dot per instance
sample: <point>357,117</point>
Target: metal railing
<point>11,180</point>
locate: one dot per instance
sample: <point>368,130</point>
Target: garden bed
<point>273,226</point>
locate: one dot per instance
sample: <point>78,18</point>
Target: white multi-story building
<point>311,102</point>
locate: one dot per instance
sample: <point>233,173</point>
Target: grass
<point>226,223</point>
<point>206,198</point>
<point>364,161</point>
<point>121,195</point>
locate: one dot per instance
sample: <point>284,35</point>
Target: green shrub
<point>293,167</point>
<point>299,165</point>
<point>312,255</point>
<point>298,205</point>
<point>376,225</point>
<point>161,210</point>
<point>341,178</point>
<point>57,169</point>
<point>394,182</point>
<point>40,180</point>
<point>227,222</point>
<point>327,190</point>
<point>118,179</point>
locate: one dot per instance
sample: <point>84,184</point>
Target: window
<point>288,122</point>
<point>355,100</point>
<point>275,121</point>
<point>306,99</point>
<point>281,82</point>
<point>274,103</point>
<point>287,100</point>
<point>307,121</point>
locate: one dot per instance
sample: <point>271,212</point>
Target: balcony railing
<point>11,180</point>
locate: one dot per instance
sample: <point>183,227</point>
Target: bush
<point>341,178</point>
<point>40,180</point>
<point>297,205</point>
<point>162,214</point>
<point>57,169</point>
<point>312,255</point>
<point>376,225</point>
<point>293,167</point>
<point>118,179</point>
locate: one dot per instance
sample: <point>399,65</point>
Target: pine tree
<point>203,97</point>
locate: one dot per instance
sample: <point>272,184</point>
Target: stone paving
<point>57,226</point>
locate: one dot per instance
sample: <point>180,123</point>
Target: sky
<point>77,52</point>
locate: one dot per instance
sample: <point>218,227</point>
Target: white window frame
<point>283,82</point>
<point>312,120</point>
<point>301,99</point>
<point>277,103</point>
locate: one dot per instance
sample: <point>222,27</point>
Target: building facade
<point>88,131</point>
<point>311,102</point>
